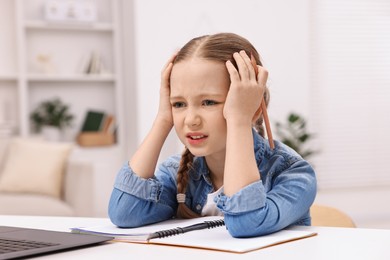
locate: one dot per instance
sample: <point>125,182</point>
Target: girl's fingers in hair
<point>166,72</point>
<point>242,66</point>
<point>249,66</point>
<point>233,73</point>
<point>167,68</point>
<point>170,60</point>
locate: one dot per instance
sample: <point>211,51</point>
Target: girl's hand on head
<point>246,90</point>
<point>165,108</point>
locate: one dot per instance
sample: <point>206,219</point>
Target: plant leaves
<point>294,134</point>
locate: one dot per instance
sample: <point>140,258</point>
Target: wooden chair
<point>329,217</point>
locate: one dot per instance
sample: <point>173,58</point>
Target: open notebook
<point>216,238</point>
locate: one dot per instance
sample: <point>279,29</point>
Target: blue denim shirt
<point>281,198</point>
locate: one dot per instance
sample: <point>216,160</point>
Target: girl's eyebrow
<point>208,95</point>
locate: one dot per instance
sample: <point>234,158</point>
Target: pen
<point>182,230</point>
<point>264,110</point>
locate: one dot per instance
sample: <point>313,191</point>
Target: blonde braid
<point>182,180</point>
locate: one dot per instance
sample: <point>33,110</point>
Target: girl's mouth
<point>196,138</point>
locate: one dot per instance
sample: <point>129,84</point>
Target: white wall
<point>278,29</point>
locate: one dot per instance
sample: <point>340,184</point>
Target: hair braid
<point>186,162</point>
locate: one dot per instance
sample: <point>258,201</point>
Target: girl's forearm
<point>240,166</point>
<point>145,159</point>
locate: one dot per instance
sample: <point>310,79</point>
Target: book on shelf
<point>205,233</point>
<point>97,121</point>
<point>93,121</point>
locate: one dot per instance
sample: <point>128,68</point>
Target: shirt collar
<point>200,169</point>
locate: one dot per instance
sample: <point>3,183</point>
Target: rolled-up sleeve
<point>253,211</point>
<point>127,181</point>
<point>239,202</point>
<point>136,201</point>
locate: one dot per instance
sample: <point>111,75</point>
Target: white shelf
<point>44,25</point>
<point>9,77</point>
<point>70,78</point>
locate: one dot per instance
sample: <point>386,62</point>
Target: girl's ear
<point>256,115</point>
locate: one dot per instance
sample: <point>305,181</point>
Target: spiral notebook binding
<point>215,223</point>
<point>182,230</point>
<point>169,232</point>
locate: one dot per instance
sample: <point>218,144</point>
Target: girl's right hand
<point>165,108</point>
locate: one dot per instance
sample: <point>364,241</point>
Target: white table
<point>330,243</point>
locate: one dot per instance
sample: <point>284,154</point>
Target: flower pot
<point>52,133</point>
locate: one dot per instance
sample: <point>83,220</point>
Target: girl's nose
<point>192,118</point>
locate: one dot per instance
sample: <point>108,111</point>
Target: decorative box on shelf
<point>98,129</point>
<point>95,139</point>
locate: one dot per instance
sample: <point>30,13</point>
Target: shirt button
<point>198,207</point>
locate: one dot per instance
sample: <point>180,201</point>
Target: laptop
<point>16,242</point>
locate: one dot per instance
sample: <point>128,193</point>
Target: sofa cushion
<point>33,204</point>
<point>34,166</point>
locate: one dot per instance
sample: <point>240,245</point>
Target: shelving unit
<point>24,82</point>
<point>68,46</point>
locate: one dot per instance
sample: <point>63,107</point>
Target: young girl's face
<point>198,91</point>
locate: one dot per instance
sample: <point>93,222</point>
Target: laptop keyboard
<point>14,245</point>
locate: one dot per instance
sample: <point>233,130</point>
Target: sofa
<point>38,178</point>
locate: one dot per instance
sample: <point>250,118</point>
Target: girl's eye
<point>178,104</point>
<point>209,103</point>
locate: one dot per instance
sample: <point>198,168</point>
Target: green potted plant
<point>294,133</point>
<point>51,117</point>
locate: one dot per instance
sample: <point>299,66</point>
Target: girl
<point>211,95</point>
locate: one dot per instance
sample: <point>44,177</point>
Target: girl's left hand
<point>246,90</point>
